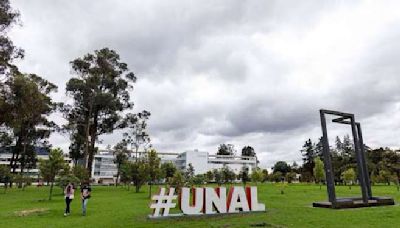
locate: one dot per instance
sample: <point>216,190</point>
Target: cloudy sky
<point>242,72</point>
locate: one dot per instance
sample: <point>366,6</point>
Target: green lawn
<point>117,207</point>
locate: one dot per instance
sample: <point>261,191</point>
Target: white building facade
<point>41,154</point>
<point>104,169</point>
<point>203,162</point>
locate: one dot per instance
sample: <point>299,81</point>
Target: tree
<point>22,181</point>
<point>8,52</point>
<point>168,170</point>
<point>66,177</point>
<point>295,167</point>
<point>281,166</point>
<point>265,175</point>
<point>198,179</point>
<point>228,175</point>
<point>349,176</point>
<point>385,176</point>
<point>244,175</point>
<point>121,153</point>
<point>136,172</point>
<point>100,93</point>
<point>248,151</point>
<point>154,168</point>
<point>25,106</point>
<point>318,171</point>
<point>50,168</point>
<point>338,144</point>
<point>226,149</point>
<point>308,153</point>
<point>209,176</point>
<point>137,135</point>
<point>189,173</point>
<point>319,148</point>
<point>348,153</point>
<point>276,177</point>
<point>5,176</point>
<point>177,181</point>
<point>218,176</point>
<point>80,173</point>
<point>257,176</point>
<point>290,176</point>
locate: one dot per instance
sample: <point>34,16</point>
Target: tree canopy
<point>100,93</point>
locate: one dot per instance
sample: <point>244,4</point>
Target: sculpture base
<point>342,203</point>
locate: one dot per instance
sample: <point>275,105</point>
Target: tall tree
<point>100,93</point>
<point>348,152</point>
<point>154,168</point>
<point>26,105</point>
<point>8,52</point>
<point>189,173</point>
<point>137,135</point>
<point>338,144</point>
<point>121,153</point>
<point>50,168</point>
<point>308,153</point>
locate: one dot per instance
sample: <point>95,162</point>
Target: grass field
<point>117,207</point>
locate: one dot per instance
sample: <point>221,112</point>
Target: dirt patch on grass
<point>33,211</point>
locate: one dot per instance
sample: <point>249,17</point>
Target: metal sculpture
<point>366,199</point>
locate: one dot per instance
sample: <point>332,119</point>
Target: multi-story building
<point>41,153</point>
<point>104,170</point>
<point>203,161</point>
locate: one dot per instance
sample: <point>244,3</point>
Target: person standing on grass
<point>85,195</point>
<point>69,196</point>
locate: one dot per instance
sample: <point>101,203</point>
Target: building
<point>104,169</point>
<point>41,153</point>
<point>203,162</point>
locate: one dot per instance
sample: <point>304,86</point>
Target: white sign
<point>207,201</point>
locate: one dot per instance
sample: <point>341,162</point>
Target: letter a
<point>237,199</point>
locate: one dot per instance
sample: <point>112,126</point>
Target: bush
<point>199,179</point>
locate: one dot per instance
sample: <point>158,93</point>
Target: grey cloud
<point>246,72</point>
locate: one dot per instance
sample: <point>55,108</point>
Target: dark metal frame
<point>363,175</point>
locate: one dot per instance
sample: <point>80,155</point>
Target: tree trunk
<point>51,190</point>
<point>93,137</point>
<point>136,152</point>
<point>116,179</point>
<point>149,190</point>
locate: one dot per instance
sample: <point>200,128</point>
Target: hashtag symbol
<point>163,202</point>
